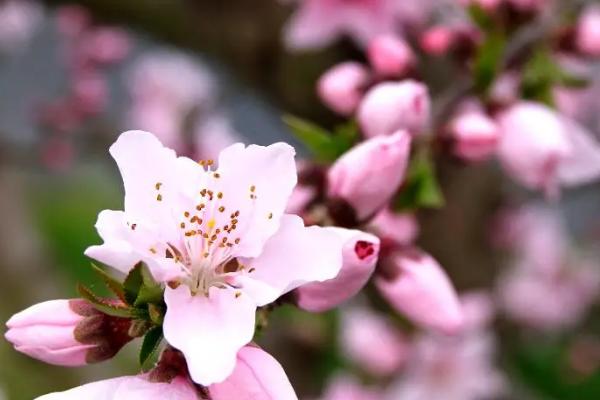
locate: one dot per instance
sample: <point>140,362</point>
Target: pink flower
<point>415,285</point>
<point>166,88</point>
<point>399,228</point>
<point>367,176</point>
<point>130,388</point>
<point>346,388</point>
<point>19,20</point>
<point>106,44</point>
<point>380,357</point>
<point>475,135</point>
<point>588,31</point>
<point>317,23</point>
<point>451,368</point>
<point>65,332</point>
<point>341,87</point>
<point>392,106</point>
<point>257,376</point>
<point>219,237</point>
<point>360,256</point>
<point>213,134</point>
<point>542,150</point>
<point>390,55</point>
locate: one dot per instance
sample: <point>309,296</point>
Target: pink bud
<point>437,40</point>
<point>533,144</point>
<point>107,45</point>
<point>380,357</point>
<point>390,55</point>
<point>399,228</point>
<point>342,86</point>
<point>588,31</point>
<point>257,375</point>
<point>392,106</point>
<point>46,330</point>
<point>72,20</point>
<point>360,253</point>
<point>66,332</point>
<point>417,286</point>
<point>475,136</point>
<point>368,175</point>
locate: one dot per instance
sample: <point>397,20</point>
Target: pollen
<point>238,294</point>
<point>270,216</point>
<point>159,197</point>
<point>211,223</point>
<point>221,209</point>
<point>158,185</point>
<point>133,226</point>
<point>220,195</point>
<point>217,175</point>
<point>182,225</point>
<point>186,214</point>
<point>252,188</point>
<point>152,250</point>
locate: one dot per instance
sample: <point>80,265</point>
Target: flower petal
<point>295,255</point>
<point>208,330</point>
<point>257,376</point>
<point>256,181</point>
<point>583,165</point>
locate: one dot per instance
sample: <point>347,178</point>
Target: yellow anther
<point>211,223</point>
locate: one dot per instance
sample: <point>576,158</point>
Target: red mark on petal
<point>364,249</point>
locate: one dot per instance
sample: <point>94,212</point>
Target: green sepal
<point>111,283</point>
<point>488,61</point>
<point>141,287</point>
<point>156,313</point>
<point>150,347</point>
<point>421,189</point>
<point>104,305</point>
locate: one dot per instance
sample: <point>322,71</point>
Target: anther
<point>159,197</point>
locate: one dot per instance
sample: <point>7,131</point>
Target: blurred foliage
<point>421,189</point>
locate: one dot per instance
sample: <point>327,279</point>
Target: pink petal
<point>295,255</point>
<point>128,388</point>
<point>583,164</point>
<point>208,330</point>
<point>360,253</point>
<point>310,27</point>
<point>257,376</point>
<point>256,181</point>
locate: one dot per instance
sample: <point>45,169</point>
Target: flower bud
<point>360,254</point>
<point>533,144</point>
<point>257,375</point>
<point>475,136</point>
<point>367,176</point>
<point>341,87</point>
<point>67,333</point>
<point>437,40</point>
<point>390,55</point>
<point>588,31</point>
<point>417,286</point>
<point>392,106</point>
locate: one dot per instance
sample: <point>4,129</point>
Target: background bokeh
<point>56,174</point>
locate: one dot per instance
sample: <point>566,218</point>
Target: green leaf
<point>113,284</point>
<point>422,189</point>
<point>488,61</point>
<point>324,145</point>
<point>480,17</point>
<point>150,347</point>
<point>103,305</point>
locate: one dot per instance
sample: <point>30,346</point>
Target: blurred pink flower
<point>300,198</point>
<point>341,87</point>
<point>381,357</point>
<point>437,40</point>
<point>257,376</point>
<point>213,134</point>
<point>487,5</point>
<point>392,106</point>
<point>106,45</point>
<point>417,286</point>
<point>529,5</point>
<point>360,253</point>
<point>451,368</point>
<point>317,23</point>
<point>346,388</point>
<point>542,150</point>
<point>65,332</point>
<point>390,55</point>
<point>166,88</point>
<point>398,228</point>
<point>588,31</point>
<point>505,89</point>
<point>130,388</point>
<point>368,175</point>
<point>219,236</point>
<point>475,135</point>
<point>19,20</point>
<point>549,300</point>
